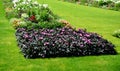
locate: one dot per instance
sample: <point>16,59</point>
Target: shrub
<point>83,2</point>
<point>117,6</point>
<point>61,42</point>
<point>15,22</point>
<point>65,23</point>
<point>72,0</point>
<point>106,4</point>
<point>34,15</point>
<point>95,4</point>
<point>117,33</point>
<point>8,8</point>
<point>40,12</point>
<point>48,25</point>
<point>9,13</point>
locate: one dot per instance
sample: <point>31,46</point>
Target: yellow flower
<point>15,22</point>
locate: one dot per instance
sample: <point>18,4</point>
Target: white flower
<point>36,7</point>
<point>30,6</point>
<point>35,2</point>
<point>40,4</point>
<point>27,3</point>
<point>14,1</point>
<point>45,5</point>
<point>29,0</point>
<point>23,3</point>
<point>22,8</point>
<point>15,5</point>
<point>117,2</point>
<point>24,15</point>
<point>22,23</point>
<point>18,8</point>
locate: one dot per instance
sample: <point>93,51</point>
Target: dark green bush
<point>49,25</point>
<point>102,3</point>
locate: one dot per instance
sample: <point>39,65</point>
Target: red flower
<point>32,18</point>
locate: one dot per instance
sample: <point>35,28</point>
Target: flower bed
<point>61,42</point>
<point>40,33</point>
<point>105,4</point>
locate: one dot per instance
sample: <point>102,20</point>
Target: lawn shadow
<point>62,57</point>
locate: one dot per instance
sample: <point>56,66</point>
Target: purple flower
<point>61,33</point>
<point>40,38</point>
<point>30,40</point>
<point>48,34</point>
<point>22,29</point>
<point>63,30</point>
<point>88,41</point>
<point>51,30</point>
<point>80,34</point>
<point>53,44</point>
<point>87,35</point>
<point>43,33</point>
<point>74,32</point>
<point>46,43</point>
<point>25,36</point>
<point>72,38</point>
<point>84,39</point>
<point>81,45</point>
<point>35,33</point>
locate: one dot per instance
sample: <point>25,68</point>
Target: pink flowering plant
<point>61,42</point>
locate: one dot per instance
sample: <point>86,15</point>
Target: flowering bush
<point>34,15</point>
<point>15,22</point>
<point>61,42</point>
<point>34,10</point>
<point>106,4</point>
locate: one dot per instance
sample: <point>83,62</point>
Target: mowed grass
<point>96,20</point>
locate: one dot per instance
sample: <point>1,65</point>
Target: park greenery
<point>41,31</point>
<point>105,4</point>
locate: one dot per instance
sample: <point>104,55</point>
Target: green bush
<point>95,4</point>
<point>47,25</point>
<point>83,2</point>
<point>117,6</point>
<point>50,25</point>
<point>117,33</point>
<point>101,3</point>
<point>8,8</point>
<point>106,4</point>
<point>72,0</point>
<point>9,13</point>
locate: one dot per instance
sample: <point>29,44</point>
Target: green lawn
<point>96,20</point>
